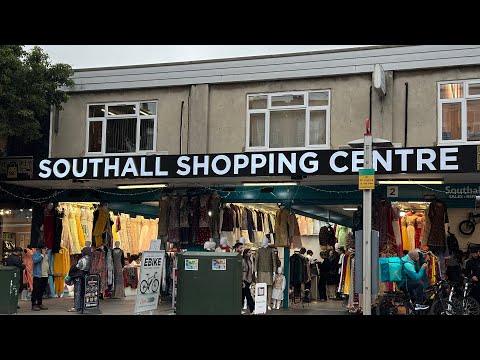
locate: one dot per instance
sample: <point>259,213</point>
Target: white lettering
<point>447,189</point>
<point>386,163</point>
<point>182,164</point>
<point>357,160</point>
<point>313,164</point>
<point>95,163</point>
<point>144,172</point>
<point>158,168</point>
<point>334,166</point>
<point>237,164</point>
<point>271,163</point>
<point>115,167</point>
<point>197,165</point>
<point>283,161</point>
<point>130,168</point>
<point>45,170</point>
<point>444,158</point>
<point>429,161</point>
<point>75,168</point>
<point>59,174</point>
<point>404,154</point>
<point>228,164</point>
<point>258,165</point>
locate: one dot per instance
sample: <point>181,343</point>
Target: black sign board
<point>16,168</point>
<point>91,301</point>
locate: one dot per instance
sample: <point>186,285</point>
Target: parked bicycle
<point>151,283</point>
<point>437,302</point>
<point>467,227</point>
<point>460,296</point>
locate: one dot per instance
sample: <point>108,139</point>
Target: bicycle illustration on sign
<point>152,283</point>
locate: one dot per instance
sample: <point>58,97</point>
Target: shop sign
<point>16,168</point>
<point>462,191</point>
<point>366,179</point>
<point>392,191</point>
<point>92,291</point>
<point>148,289</point>
<point>260,298</point>
<point>460,159</point>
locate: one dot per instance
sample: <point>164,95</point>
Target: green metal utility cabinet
<point>209,283</point>
<point>9,279</point>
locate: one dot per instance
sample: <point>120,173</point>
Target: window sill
<point>143,153</point>
<point>458,143</point>
<point>313,148</point>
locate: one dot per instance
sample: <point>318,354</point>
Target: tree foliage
<point>29,86</point>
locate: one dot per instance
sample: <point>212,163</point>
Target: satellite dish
<point>379,82</point>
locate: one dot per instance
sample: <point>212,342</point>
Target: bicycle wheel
<point>466,227</point>
<point>143,287</point>
<point>444,307</point>
<point>155,285</point>
<point>470,306</point>
<point>386,306</point>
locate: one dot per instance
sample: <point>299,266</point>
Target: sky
<point>86,56</point>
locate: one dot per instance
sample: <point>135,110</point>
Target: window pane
<point>318,129</point>
<point>473,120</point>
<point>96,111</point>
<point>95,136</point>
<point>146,134</point>
<point>318,99</point>
<point>121,135</point>
<point>287,128</point>
<point>257,102</point>
<point>257,129</point>
<point>121,110</point>
<point>287,100</point>
<point>451,121</point>
<point>451,91</point>
<point>474,89</point>
<point>149,108</point>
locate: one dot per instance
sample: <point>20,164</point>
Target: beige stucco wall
<point>422,102</point>
<point>227,118</point>
<point>71,137</point>
<point>218,111</point>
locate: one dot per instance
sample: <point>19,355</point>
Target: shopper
<point>40,277</point>
<point>77,274</point>
<point>472,271</point>
<point>333,258</point>
<point>15,259</point>
<point>247,279</point>
<point>324,273</point>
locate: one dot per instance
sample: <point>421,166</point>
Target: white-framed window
<point>288,120</point>
<point>122,128</point>
<point>459,112</point>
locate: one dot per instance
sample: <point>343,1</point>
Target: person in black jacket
<point>15,259</point>
<point>472,271</point>
<point>324,275</point>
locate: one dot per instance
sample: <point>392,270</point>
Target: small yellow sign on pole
<point>366,179</point>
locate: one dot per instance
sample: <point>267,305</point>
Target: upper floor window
<point>289,120</point>
<point>459,111</point>
<point>121,128</point>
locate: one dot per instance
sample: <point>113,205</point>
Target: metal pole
<point>367,227</point>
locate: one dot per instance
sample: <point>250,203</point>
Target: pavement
<point>126,306</point>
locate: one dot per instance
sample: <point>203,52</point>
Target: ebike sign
<point>459,159</point>
<point>148,289</point>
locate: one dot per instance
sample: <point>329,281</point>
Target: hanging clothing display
<point>438,216</point>
<point>61,266</point>
<point>118,264</point>
<point>281,228</point>
<point>382,218</point>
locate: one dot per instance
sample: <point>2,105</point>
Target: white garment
<point>310,222</point>
<point>277,292</point>
<point>316,227</point>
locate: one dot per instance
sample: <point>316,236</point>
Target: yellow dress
<point>61,266</point>
<point>72,225</point>
<point>81,235</point>
<point>346,288</point>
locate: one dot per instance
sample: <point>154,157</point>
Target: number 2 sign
<point>392,191</point>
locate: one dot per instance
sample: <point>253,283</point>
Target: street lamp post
<point>367,225</point>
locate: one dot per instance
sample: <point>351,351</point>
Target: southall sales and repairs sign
<point>459,159</point>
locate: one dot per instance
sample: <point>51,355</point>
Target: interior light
<point>350,209</point>
<point>142,186</point>
<point>410,182</point>
<point>402,213</point>
<point>289,183</point>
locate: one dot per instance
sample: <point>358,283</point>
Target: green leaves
<point>29,86</point>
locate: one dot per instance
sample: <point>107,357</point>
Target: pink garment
<point>28,271</point>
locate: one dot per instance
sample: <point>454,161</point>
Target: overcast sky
<point>85,56</point>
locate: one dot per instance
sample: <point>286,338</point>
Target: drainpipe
<point>370,109</point>
<point>181,126</point>
<point>406,114</point>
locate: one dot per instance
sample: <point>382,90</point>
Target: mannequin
<point>265,266</point>
<point>223,246</point>
<point>209,245</point>
<point>279,283</point>
<point>118,264</point>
